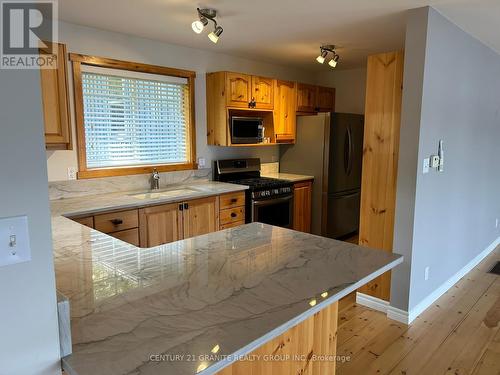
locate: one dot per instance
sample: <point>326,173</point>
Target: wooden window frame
<point>83,172</point>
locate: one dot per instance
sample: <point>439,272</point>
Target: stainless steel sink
<point>166,193</point>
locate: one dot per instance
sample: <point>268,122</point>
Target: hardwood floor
<point>459,334</point>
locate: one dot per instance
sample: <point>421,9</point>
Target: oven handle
<point>268,202</point>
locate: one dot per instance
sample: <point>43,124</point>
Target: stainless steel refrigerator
<point>330,147</point>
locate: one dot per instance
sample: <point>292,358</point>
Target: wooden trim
<point>128,65</point>
<point>124,171</point>
<point>84,172</point>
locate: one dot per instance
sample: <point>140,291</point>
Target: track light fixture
<point>205,15</point>
<point>324,51</point>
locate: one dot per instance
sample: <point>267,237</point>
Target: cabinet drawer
<point>232,200</point>
<point>116,221</point>
<point>130,235</point>
<point>230,215</point>
<point>87,221</point>
<point>232,225</point>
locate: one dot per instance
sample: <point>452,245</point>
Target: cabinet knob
<point>116,221</point>
<point>180,207</point>
<point>234,200</point>
<point>233,214</point>
<point>186,206</point>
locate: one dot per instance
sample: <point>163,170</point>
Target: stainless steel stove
<point>268,200</point>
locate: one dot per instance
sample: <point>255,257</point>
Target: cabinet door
<point>238,87</point>
<point>285,111</point>
<point>262,92</point>
<point>325,99</point>
<point>160,224</point>
<point>306,98</point>
<point>302,193</point>
<point>200,216</point>
<point>55,103</point>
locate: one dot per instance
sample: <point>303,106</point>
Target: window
<point>132,117</point>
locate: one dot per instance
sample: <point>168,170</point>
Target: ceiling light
<point>214,35</point>
<point>333,62</point>
<point>199,25</point>
<point>204,16</point>
<point>321,57</point>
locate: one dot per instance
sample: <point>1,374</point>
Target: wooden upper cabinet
<point>306,98</point>
<point>285,104</point>
<point>55,103</point>
<point>200,216</point>
<point>325,99</point>
<point>160,224</point>
<point>262,92</point>
<point>238,89</point>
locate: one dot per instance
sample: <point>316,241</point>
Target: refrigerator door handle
<point>349,163</point>
<point>346,151</point>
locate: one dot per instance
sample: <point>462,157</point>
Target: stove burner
<point>261,182</point>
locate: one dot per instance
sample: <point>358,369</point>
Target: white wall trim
<point>429,300</point>
<point>406,317</point>
<point>398,315</point>
<point>372,302</point>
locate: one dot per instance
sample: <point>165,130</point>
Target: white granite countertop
<point>81,206</point>
<point>288,176</point>
<point>162,310</point>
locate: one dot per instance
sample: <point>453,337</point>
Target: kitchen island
<point>216,303</point>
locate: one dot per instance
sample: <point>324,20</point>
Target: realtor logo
<point>29,34</point>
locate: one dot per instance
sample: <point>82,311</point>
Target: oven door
<point>275,211</point>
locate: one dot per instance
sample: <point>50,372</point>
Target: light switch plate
<point>72,173</point>
<point>426,165</point>
<point>14,240</point>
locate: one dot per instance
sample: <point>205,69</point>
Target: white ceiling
<point>287,32</point>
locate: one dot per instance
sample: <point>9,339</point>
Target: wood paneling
<point>160,224</point>
<point>238,89</point>
<point>302,195</point>
<point>55,103</point>
<point>325,99</point>
<point>380,159</point>
<point>116,221</point>
<point>262,92</point>
<point>285,107</point>
<point>316,336</point>
<point>230,200</point>
<point>200,216</point>
<point>306,98</point>
<point>130,235</point>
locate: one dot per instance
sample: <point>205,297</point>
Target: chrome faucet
<point>155,180</point>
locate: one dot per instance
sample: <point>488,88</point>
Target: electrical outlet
<point>426,273</point>
<point>426,165</point>
<point>71,173</point>
<point>201,163</point>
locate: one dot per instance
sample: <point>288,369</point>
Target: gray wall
<point>454,212</point>
<point>29,342</point>
<point>350,88</point>
<point>90,41</point>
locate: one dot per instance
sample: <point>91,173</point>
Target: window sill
<point>125,171</point>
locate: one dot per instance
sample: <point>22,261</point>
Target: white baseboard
<point>407,317</point>
<point>372,302</point>
<point>429,300</point>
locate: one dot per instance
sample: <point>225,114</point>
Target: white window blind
<point>134,119</point>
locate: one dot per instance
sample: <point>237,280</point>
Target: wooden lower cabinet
<point>200,216</point>
<point>302,196</point>
<point>311,347</point>
<point>130,236</point>
<point>160,224</point>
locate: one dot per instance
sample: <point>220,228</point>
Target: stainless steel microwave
<point>247,130</point>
